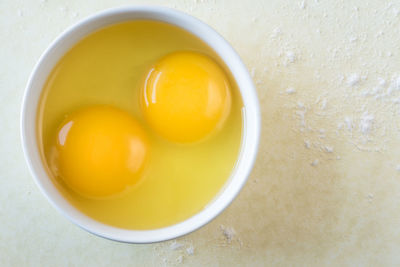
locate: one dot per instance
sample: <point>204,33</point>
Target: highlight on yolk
<point>101,151</point>
<point>186,96</point>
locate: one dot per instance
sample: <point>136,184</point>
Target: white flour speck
<point>323,104</point>
<point>175,245</point>
<point>190,250</point>
<point>228,232</point>
<point>291,56</point>
<point>328,149</point>
<point>349,123</point>
<point>352,39</point>
<point>290,91</point>
<point>366,123</point>
<point>370,197</point>
<point>353,79</point>
<point>307,144</point>
<point>302,116</point>
<point>315,162</point>
<point>381,81</point>
<point>276,32</point>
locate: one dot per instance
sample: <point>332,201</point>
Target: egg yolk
<point>101,151</point>
<point>186,96</point>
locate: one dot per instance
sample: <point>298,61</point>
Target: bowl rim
<point>251,129</point>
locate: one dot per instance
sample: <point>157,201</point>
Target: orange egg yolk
<point>186,97</point>
<point>101,151</point>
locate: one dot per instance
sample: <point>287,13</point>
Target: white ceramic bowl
<point>251,123</point>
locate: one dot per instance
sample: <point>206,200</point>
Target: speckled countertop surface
<point>325,189</point>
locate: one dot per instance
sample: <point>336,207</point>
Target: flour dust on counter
<point>180,251</point>
<point>328,173</point>
<point>349,106</point>
<point>174,252</point>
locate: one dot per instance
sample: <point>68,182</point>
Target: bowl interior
<point>251,121</point>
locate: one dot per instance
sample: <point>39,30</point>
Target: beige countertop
<point>325,189</point>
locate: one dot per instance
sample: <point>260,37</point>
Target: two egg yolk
<point>186,96</point>
<point>102,150</point>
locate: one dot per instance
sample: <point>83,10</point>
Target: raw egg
<point>186,97</point>
<point>132,158</point>
<point>101,151</point>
